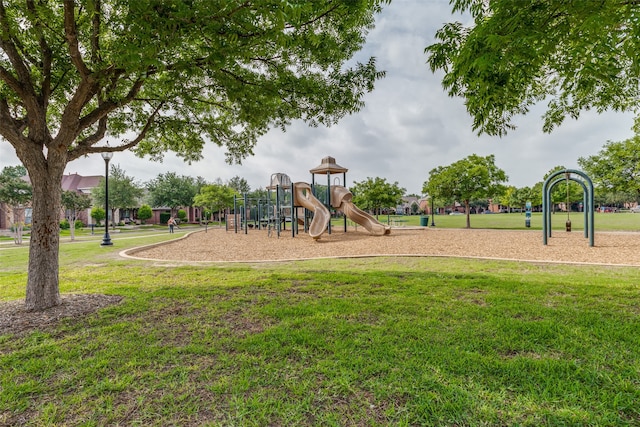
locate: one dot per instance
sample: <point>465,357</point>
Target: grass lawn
<point>516,221</point>
<point>364,342</point>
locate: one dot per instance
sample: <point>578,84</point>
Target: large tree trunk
<point>42,281</point>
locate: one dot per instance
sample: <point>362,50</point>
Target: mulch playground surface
<point>218,245</point>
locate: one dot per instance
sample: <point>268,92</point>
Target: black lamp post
<point>433,213</point>
<point>106,240</point>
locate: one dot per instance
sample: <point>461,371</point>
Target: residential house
<point>410,206</point>
<point>83,185</point>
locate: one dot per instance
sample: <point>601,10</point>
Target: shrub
<point>144,213</point>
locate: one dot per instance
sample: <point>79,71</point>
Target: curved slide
<point>303,196</point>
<point>341,199</point>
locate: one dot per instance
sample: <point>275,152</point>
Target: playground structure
<point>588,201</point>
<point>304,205</point>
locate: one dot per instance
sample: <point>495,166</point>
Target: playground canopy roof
<point>328,164</point>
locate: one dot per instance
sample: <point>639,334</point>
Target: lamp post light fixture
<point>433,213</point>
<point>106,240</point>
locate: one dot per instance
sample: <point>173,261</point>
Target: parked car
<point>635,209</point>
<point>456,213</point>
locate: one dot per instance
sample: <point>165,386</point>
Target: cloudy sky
<point>408,127</point>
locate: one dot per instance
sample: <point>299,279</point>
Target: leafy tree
<point>576,55</point>
<point>259,193</point>
<point>168,76</point>
<point>536,194</point>
<point>172,191</point>
<point>214,197</point>
<point>239,185</point>
<point>616,168</point>
<point>98,214</point>
<point>16,192</point>
<point>124,193</point>
<point>524,195</point>
<point>73,202</point>
<point>374,194</point>
<point>508,197</point>
<point>473,177</point>
<point>144,213</point>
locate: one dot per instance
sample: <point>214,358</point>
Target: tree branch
<point>71,36</point>
<point>46,53</point>
<point>108,106</point>
<point>85,147</point>
<point>23,84</point>
<point>11,81</point>
<point>95,34</point>
<point>317,18</point>
<point>11,128</point>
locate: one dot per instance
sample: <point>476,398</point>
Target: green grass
<point>366,342</point>
<point>516,221</point>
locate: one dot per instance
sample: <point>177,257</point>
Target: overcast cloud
<point>408,126</point>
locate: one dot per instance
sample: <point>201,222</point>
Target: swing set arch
<point>588,203</point>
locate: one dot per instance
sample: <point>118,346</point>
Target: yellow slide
<point>302,196</point>
<point>341,199</point>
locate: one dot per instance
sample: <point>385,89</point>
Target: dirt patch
<point>14,319</point>
<point>218,245</point>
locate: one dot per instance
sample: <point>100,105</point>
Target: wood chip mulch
<point>15,320</point>
<point>218,245</point>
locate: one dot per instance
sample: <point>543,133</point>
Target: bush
<point>98,214</point>
<point>64,225</point>
<point>144,213</point>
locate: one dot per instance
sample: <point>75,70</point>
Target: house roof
<point>79,183</point>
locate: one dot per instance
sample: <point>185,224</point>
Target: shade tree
<point>615,169</point>
<point>74,202</point>
<point>239,185</point>
<point>155,77</point>
<point>474,177</point>
<point>215,198</point>
<point>575,56</point>
<point>124,192</point>
<point>172,191</point>
<point>16,192</point>
<point>375,194</point>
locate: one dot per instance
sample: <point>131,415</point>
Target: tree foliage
<point>73,202</point>
<point>172,190</point>
<point>239,185</point>
<point>375,194</point>
<point>616,168</point>
<point>473,177</point>
<point>214,197</point>
<point>124,192</point>
<point>98,214</point>
<point>16,192</point>
<point>162,76</point>
<point>144,213</point>
<point>575,55</point>
<point>15,188</point>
